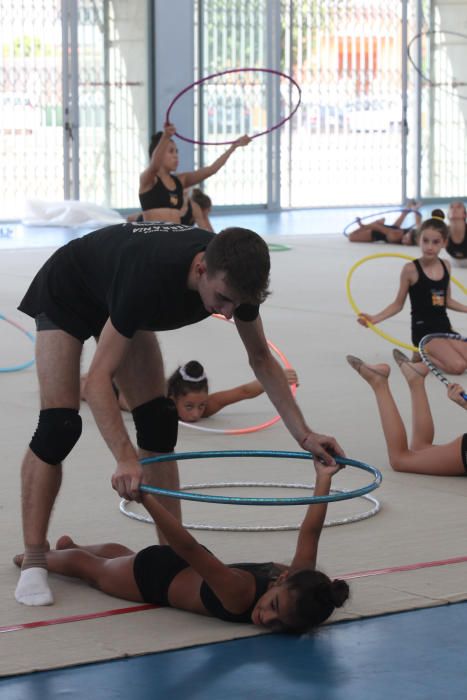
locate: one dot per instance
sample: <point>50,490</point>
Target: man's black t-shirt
<point>136,274</point>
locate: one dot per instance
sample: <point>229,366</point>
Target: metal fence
<point>373,125</point>
<point>370,129</point>
<point>73,101</point>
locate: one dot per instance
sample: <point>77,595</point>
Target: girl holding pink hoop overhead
<point>188,389</point>
<point>160,190</point>
<point>427,282</point>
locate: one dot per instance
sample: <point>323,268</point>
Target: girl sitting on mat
<point>457,241</point>
<point>421,456</point>
<point>188,388</point>
<point>195,210</point>
<point>160,190</point>
<point>388,233</point>
<point>187,576</point>
<point>427,282</point>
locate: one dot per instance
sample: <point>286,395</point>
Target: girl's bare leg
<point>393,427</point>
<point>448,355</point>
<point>423,429</point>
<point>442,460</point>
<point>113,576</point>
<point>108,550</point>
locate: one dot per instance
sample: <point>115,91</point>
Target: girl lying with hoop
<point>188,389</point>
<point>161,192</point>
<point>187,576</point>
<point>427,282</point>
<point>379,230</point>
<point>421,456</point>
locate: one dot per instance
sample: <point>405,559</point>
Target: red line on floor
<point>406,567</point>
<point>76,618</point>
<point>139,608</point>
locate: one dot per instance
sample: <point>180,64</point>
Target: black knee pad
<point>156,424</point>
<point>56,434</point>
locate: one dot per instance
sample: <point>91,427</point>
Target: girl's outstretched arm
<point>310,530</point>
<point>221,399</point>
<point>146,179</point>
<point>406,279</point>
<point>450,302</point>
<point>197,176</point>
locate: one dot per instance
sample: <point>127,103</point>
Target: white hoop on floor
<point>259,528</point>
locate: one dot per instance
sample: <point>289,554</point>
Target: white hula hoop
<point>251,528</point>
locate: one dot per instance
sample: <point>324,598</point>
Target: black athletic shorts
<point>464,451</point>
<point>154,569</point>
<point>43,323</point>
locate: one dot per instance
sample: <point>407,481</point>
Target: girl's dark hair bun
<point>340,592</point>
<point>194,369</point>
<point>439,213</point>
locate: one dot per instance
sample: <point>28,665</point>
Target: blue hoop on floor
<point>378,213</point>
<point>25,365</point>
<point>433,368</point>
<point>237,500</point>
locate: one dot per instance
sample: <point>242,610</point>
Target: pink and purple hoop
<point>227,72</point>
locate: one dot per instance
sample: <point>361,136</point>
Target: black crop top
<point>457,250</point>
<point>156,566</point>
<point>214,606</point>
<point>160,197</point>
<point>428,297</point>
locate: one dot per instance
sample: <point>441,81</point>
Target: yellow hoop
<point>354,306</point>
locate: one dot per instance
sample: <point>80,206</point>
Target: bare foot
<point>373,374</point>
<point>65,542</point>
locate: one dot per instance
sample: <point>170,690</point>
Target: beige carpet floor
<point>309,318</point>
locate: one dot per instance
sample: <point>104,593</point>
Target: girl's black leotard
<point>188,219</point>
<point>160,197</point>
<point>156,566</point>
<point>457,250</point>
<point>428,300</point>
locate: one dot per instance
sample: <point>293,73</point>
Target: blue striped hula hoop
<point>25,365</point>
<point>433,368</point>
<point>237,500</point>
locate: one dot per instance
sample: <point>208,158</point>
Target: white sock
<point>32,588</point>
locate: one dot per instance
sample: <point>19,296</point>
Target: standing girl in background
<point>427,282</point>
<point>160,190</point>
